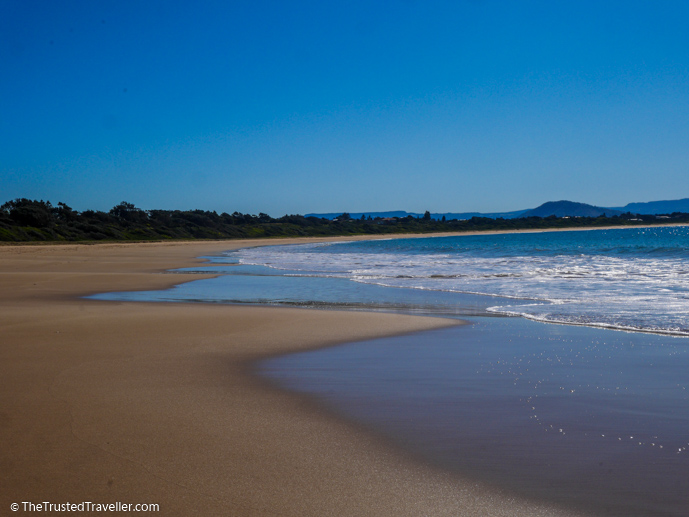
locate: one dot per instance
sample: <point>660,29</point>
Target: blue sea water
<point>570,383</point>
<point>634,279</point>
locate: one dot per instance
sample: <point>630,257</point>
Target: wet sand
<point>156,403</point>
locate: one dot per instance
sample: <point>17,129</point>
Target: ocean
<point>627,279</point>
<point>569,384</point>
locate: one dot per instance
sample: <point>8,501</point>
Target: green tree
<point>128,212</point>
<point>26,212</point>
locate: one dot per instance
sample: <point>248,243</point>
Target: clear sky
<point>296,107</point>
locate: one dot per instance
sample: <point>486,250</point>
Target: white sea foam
<point>623,289</point>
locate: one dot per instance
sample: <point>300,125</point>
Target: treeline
<point>29,220</point>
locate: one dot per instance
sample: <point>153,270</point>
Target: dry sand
<point>156,403</point>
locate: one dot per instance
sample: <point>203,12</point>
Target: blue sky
<point>295,107</point>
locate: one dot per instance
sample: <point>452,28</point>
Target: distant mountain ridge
<point>569,209</point>
<point>561,208</point>
<point>402,213</point>
<point>657,207</point>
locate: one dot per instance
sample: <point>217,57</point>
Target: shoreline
<point>156,403</point>
<point>274,241</point>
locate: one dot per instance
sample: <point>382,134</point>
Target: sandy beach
<point>156,403</point>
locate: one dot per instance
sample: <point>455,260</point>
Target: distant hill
<point>357,215</point>
<point>569,209</point>
<point>657,207</point>
<point>469,215</point>
<point>401,213</point>
<point>557,208</point>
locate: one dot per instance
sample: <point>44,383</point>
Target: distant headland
<point>24,220</point>
<point>556,208</point>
